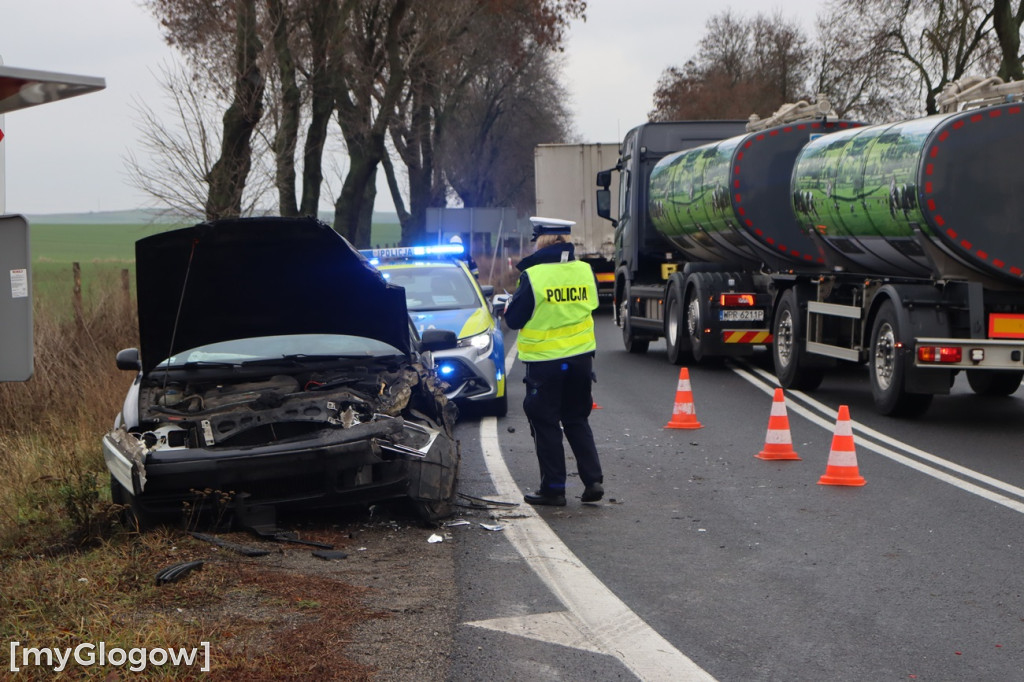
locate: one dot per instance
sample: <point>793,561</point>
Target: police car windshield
<point>440,287</point>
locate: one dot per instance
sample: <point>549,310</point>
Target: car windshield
<point>433,287</point>
<point>291,346</point>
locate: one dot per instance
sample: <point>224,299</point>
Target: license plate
<point>756,315</point>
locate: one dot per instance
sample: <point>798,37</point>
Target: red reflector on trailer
<point>940,354</point>
<point>736,300</point>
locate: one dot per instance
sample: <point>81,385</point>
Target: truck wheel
<point>787,354</point>
<point>888,367</point>
<point>675,323</point>
<point>994,383</point>
<point>696,313</point>
<point>629,339</point>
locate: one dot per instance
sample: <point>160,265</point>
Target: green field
<point>86,243</point>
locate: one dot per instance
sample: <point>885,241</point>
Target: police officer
<point>552,308</point>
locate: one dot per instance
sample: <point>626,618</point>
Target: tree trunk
<point>1007,25</point>
<point>228,175</point>
<point>323,26</point>
<point>288,127</point>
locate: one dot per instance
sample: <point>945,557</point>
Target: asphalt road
<point>705,562</point>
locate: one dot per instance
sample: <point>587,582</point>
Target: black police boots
<point>545,498</point>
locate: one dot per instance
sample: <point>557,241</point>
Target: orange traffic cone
<point>842,460</point>
<point>778,444</point>
<point>684,415</point>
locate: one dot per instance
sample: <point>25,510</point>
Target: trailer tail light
<point>736,300</point>
<point>940,354</point>
<point>605,277</point>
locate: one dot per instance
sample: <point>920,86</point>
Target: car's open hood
<point>249,277</point>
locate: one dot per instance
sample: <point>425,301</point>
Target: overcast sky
<point>68,156</point>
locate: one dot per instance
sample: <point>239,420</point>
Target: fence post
<point>79,315</point>
<point>126,293</point>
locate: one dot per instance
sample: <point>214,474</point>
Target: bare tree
<point>742,67</point>
<point>930,42</point>
<point>177,154</point>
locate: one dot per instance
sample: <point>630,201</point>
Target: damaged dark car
<point>276,370</point>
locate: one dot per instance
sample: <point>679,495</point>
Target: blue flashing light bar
<point>412,252</point>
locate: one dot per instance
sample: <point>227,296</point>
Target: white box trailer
<point>21,88</point>
<point>564,176</point>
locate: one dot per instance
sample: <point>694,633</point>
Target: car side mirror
<point>128,359</point>
<point>438,339</point>
<point>487,289</point>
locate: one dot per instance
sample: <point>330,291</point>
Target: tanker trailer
<point>830,241</point>
<point>923,237</point>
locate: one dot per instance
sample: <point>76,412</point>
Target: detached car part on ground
<point>441,293</point>
<point>276,369</point>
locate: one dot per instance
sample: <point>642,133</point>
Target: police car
<point>441,293</point>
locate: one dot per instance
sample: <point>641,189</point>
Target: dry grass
<point>72,574</point>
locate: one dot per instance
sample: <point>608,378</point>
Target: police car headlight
<point>481,342</point>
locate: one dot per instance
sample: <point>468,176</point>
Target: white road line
<point>602,618</point>
<point>768,383</point>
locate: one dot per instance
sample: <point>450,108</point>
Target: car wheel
<point>498,407</point>
<point>133,517</point>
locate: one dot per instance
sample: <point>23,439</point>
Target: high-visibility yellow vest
<point>564,295</point>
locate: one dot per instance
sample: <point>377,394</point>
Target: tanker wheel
<point>675,323</point>
<point>790,361</point>
<point>633,344</point>
<point>994,383</point>
<point>696,312</point>
<point>888,367</point>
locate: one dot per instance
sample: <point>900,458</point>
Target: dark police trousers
<point>559,391</point>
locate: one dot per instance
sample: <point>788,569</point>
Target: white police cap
<point>550,226</point>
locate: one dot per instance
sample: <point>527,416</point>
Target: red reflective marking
<point>928,187</point>
<point>815,125</point>
<point>928,169</point>
<point>959,124</point>
<point>1015,271</point>
<point>808,257</point>
<point>966,244</point>
<point>931,204</point>
<point>739,156</point>
<point>1013,110</point>
<point>782,247</point>
<point>951,233</point>
<point>943,135</point>
<point>995,113</point>
<point>736,184</point>
<point>748,143</point>
<point>934,152</point>
<point>739,199</point>
<point>940,221</point>
<point>998,263</point>
<point>976,118</point>
<point>770,240</point>
<point>787,129</point>
<point>773,133</point>
<point>759,137</point>
<point>759,232</point>
<point>982,255</point>
<point>749,222</point>
<point>802,126</point>
<point>736,169</point>
<point>742,211</point>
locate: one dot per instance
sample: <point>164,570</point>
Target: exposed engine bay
<point>210,412</point>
